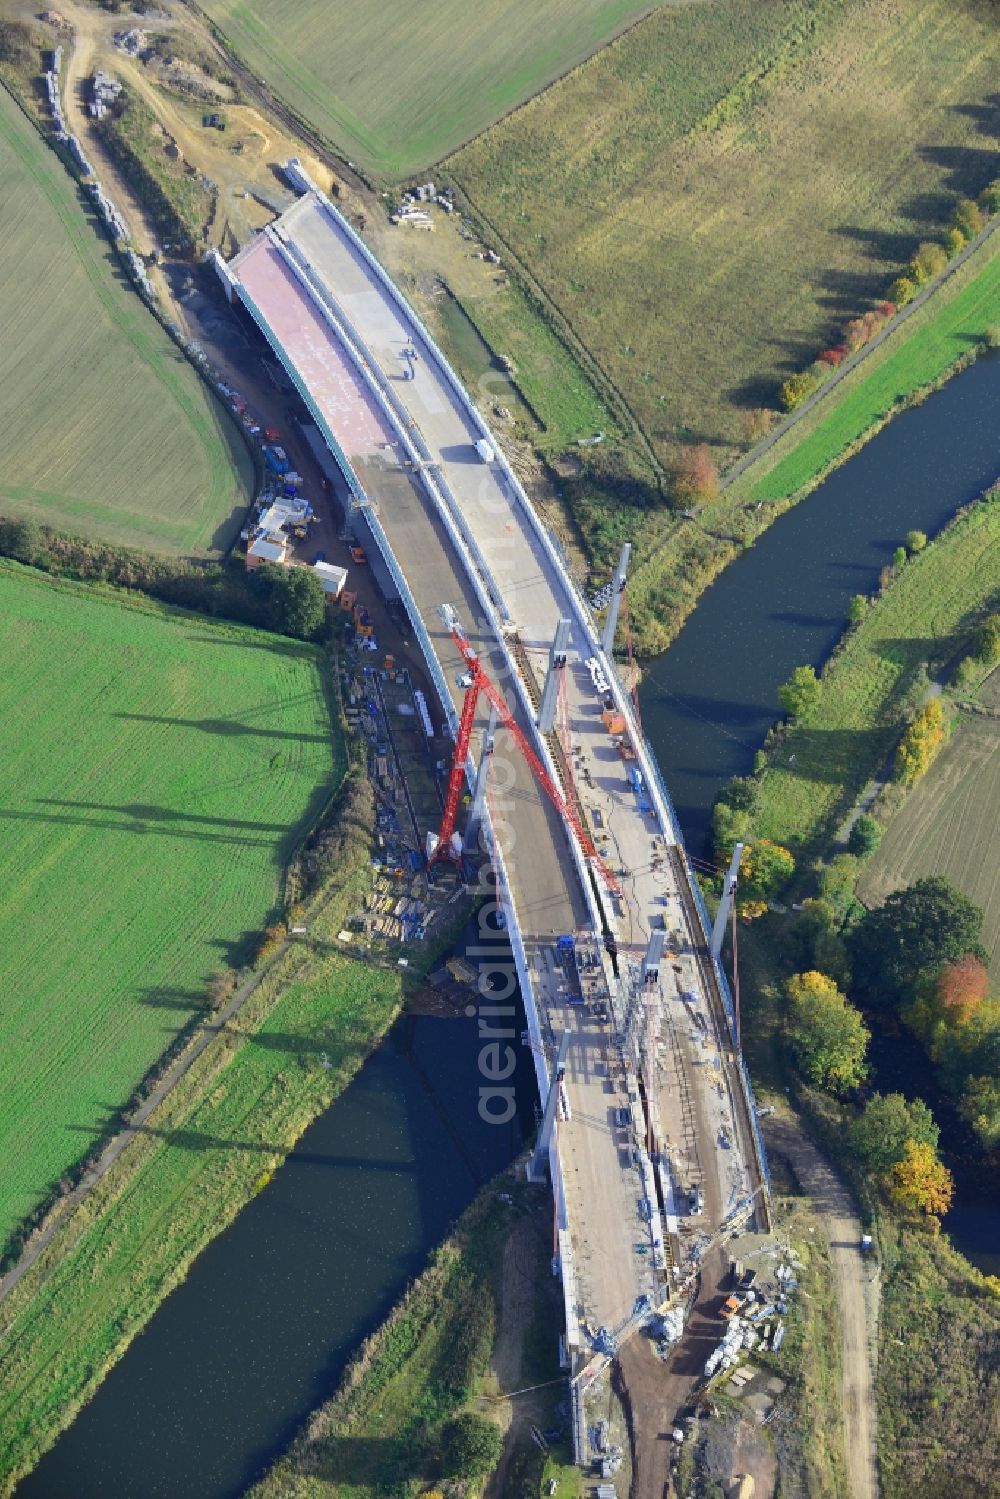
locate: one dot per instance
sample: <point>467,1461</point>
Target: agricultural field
<point>107,430</point>
<point>396,90</point>
<point>158,773</point>
<point>709,198</point>
<point>947,824</point>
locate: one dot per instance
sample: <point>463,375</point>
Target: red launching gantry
<point>480,682</point>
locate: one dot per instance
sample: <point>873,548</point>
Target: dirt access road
<point>857,1293</point>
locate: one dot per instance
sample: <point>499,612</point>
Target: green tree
<point>899,557</point>
<point>915,542</point>
<point>797,389</point>
<point>857,608</point>
<point>954,241</point>
<point>296,603</point>
<point>879,1136</point>
<point>829,1037</point>
<point>929,261</point>
<point>767,866</point>
<point>471,1446</point>
<point>902,290</point>
<point>813,942</point>
<point>730,825</point>
<point>836,881</point>
<point>980,1108</point>
<point>865,836</point>
<point>923,926</point>
<point>988,641</point>
<point>21,538</point>
<point>968,218</point>
<point>801,692</point>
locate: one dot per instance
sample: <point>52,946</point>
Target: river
<point>708,701</point>
<point>259,1332</point>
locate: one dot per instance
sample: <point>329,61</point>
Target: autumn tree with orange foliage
<point>961,988</point>
<point>919,1183</point>
<point>696,480</point>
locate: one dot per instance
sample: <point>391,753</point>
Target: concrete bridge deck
<point>462,532</point>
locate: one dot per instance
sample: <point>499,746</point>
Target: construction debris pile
<point>754,1315</point>
<point>104,92</point>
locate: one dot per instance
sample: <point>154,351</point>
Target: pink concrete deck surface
<point>319,357</point>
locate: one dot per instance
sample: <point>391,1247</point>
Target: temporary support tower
<point>540,1159</point>
<point>728,891</point>
<point>618,588</point>
<point>482,774</point>
<point>557,668</point>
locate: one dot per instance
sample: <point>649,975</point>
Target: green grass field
<point>107,429</point>
<point>296,1043</point>
<point>397,89</point>
<point>947,825</point>
<point>158,771</point>
<point>845,740</point>
<point>708,199</point>
<point>947,327</point>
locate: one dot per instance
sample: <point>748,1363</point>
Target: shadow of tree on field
<point>968,169</point>
<point>928,211</point>
<point>162,997</point>
<point>909,653</point>
<point>882,244</point>
<point>142,812</point>
<point>232,728</point>
<point>846,293</point>
<point>276,645</point>
<point>986,115</point>
<point>141,828</point>
<point>832,756</point>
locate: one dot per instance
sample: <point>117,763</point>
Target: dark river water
<point>270,1313</point>
<point>709,700</point>
<point>258,1334</point>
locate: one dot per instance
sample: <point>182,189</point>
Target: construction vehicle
<point>447,844</point>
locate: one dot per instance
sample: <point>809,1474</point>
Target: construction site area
<point>499,736</point>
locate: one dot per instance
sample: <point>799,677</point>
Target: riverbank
<point>431,1358</point>
<point>213,1145</point>
<point>816,768</point>
<point>687,555</point>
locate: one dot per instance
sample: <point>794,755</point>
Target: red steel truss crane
<point>480,682</point>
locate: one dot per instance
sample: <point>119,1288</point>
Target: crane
<point>478,682</point>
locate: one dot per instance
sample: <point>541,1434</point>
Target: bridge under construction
<point>649,1132</point>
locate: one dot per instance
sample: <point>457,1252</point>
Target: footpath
<point>857,1294</point>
